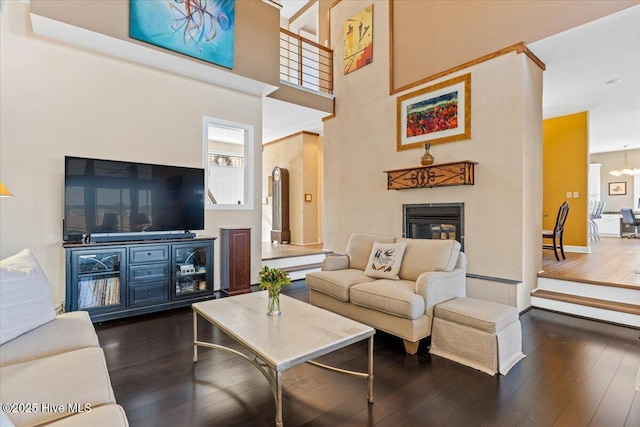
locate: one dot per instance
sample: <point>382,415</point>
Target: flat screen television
<point>127,199</point>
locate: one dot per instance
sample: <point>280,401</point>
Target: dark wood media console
<point>121,279</point>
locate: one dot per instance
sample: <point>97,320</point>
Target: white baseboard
<point>578,249</point>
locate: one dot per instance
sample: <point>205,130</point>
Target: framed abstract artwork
<point>202,29</point>
<point>435,114</point>
<point>617,188</point>
<point>358,40</point>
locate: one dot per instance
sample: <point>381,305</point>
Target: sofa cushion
<point>336,283</point>
<point>384,261</point>
<point>478,314</point>
<point>78,376</point>
<point>428,255</point>
<point>67,332</point>
<point>359,248</point>
<point>395,297</point>
<point>25,296</point>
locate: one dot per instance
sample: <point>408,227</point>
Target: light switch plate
<point>576,195</point>
<point>568,194</point>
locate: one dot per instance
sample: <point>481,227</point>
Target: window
<point>228,161</point>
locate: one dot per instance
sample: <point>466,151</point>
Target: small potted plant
<point>272,280</point>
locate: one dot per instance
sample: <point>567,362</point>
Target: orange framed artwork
<point>358,40</point>
<point>436,114</point>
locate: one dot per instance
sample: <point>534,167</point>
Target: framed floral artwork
<point>436,114</point>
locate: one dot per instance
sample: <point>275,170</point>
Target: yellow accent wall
<point>566,169</point>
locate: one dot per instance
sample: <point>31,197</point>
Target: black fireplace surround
<point>434,221</point>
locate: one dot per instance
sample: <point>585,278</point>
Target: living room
<point>59,99</point>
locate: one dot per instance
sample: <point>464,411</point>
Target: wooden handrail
<point>307,41</point>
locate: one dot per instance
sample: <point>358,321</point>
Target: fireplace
<point>434,221</point>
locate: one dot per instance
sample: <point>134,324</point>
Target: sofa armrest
<point>335,262</point>
<point>440,286</point>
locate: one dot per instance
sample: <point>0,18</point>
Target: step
<point>595,308</point>
<point>597,290</point>
<point>297,266</point>
<point>293,261</point>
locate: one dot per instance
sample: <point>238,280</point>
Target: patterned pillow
<point>385,260</point>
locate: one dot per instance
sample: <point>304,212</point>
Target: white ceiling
<point>280,119</point>
<point>579,63</point>
<point>291,7</point>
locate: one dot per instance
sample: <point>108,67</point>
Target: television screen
<point>106,196</point>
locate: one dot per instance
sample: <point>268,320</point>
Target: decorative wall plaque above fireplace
<point>444,174</point>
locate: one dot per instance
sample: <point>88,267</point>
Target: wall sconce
<point>4,191</point>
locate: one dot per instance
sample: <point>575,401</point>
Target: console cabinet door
<point>192,269</point>
<point>98,280</point>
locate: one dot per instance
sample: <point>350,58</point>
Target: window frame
<point>248,172</point>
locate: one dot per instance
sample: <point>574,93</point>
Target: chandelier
<point>625,167</point>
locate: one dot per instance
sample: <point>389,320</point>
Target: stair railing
<point>305,63</point>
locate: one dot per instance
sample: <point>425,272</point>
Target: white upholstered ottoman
<point>480,334</point>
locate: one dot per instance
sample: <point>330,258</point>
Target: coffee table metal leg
<point>195,336</point>
<point>278,398</point>
<point>370,397</point>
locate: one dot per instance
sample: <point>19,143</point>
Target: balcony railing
<point>305,63</point>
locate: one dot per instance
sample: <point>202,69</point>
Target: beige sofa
<point>431,272</point>
<point>56,375</point>
<point>52,369</point>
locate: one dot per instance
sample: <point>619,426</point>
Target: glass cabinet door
<point>98,279</point>
<point>191,272</point>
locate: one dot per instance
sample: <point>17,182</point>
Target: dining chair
<point>595,212</point>
<point>629,218</point>
<point>557,232</point>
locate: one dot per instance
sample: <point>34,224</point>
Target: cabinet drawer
<point>152,293</point>
<point>149,254</point>
<point>148,272</point>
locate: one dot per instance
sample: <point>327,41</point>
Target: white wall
<point>615,160</point>
<point>59,100</point>
<point>502,210</point>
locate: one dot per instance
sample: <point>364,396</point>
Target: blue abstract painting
<point>202,29</point>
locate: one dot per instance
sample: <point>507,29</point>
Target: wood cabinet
<point>116,280</point>
<point>235,260</point>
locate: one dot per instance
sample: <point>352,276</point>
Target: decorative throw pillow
<point>5,421</point>
<point>25,296</point>
<point>385,260</point>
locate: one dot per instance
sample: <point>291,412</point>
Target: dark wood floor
<point>577,372</point>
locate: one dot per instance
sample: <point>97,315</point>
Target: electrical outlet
<point>576,195</point>
<point>568,194</point>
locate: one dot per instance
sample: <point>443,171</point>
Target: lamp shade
<point>4,191</point>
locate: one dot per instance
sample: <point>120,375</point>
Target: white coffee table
<point>301,333</point>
